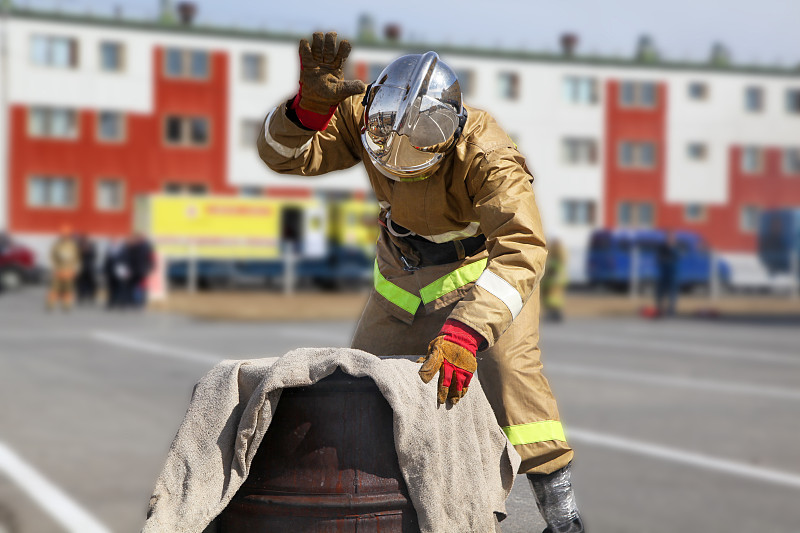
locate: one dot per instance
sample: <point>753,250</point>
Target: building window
<point>637,154</point>
<point>184,63</point>
<point>253,67</point>
<point>578,151</point>
<point>51,51</point>
<point>793,101</point>
<point>694,213</point>
<point>251,192</point>
<point>752,160</point>
<point>251,129</point>
<point>748,218</point>
<point>578,212</point>
<point>111,56</point>
<point>754,99</point>
<point>54,192</point>
<point>580,90</point>
<point>697,151</point>
<point>110,126</point>
<point>54,123</point>
<point>791,161</point>
<point>465,80</point>
<point>110,195</point>
<point>187,189</point>
<point>508,85</point>
<point>186,131</point>
<point>635,214</point>
<point>637,94</point>
<point>698,91</point>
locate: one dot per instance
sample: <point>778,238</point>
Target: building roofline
<point>201,30</point>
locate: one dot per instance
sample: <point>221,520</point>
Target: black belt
<point>432,253</point>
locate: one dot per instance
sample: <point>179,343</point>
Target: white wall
<point>721,121</point>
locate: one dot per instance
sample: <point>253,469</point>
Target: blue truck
<point>610,257</point>
<point>779,240</point>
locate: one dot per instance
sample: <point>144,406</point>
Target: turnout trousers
<point>510,373</point>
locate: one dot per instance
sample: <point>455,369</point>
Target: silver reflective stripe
<point>470,231</point>
<point>283,150</point>
<point>501,289</point>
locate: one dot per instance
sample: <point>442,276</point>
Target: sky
<point>755,31</point>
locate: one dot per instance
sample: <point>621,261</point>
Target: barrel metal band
<point>535,432</point>
<point>430,292</point>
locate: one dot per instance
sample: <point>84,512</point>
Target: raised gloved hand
<point>452,355</point>
<point>322,83</point>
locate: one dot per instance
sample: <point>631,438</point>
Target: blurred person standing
<point>140,260</point>
<point>667,260</point>
<point>461,249</point>
<point>87,276</point>
<point>65,263</point>
<point>115,272</point>
<point>554,281</point>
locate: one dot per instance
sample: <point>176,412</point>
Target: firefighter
<point>65,264</point>
<point>461,247</point>
<point>554,281</point>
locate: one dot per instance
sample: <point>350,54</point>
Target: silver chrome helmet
<point>413,115</point>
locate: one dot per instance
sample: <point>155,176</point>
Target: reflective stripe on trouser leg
<point>511,376</point>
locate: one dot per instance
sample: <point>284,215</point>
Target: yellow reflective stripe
<point>399,297</point>
<point>452,281</point>
<point>535,432</point>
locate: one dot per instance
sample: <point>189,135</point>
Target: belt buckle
<point>408,267</point>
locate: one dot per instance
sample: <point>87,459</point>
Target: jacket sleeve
<point>291,149</point>
<point>515,241</point>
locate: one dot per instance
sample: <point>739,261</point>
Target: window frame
<point>184,188</point>
<point>792,101</point>
<point>514,85</point>
<point>186,64</point>
<point>703,94</point>
<point>73,43</point>
<point>743,227</point>
<point>701,215</point>
<point>785,157</point>
<point>123,186</point>
<point>637,94</point>
<point>186,131</point>
<point>122,59</point>
<point>123,127</point>
<point>702,155</point>
<point>262,67</point>
<point>49,112</point>
<point>754,90</point>
<point>742,158</point>
<point>637,151</point>
<point>50,178</point>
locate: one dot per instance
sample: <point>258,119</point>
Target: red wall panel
<point>143,162</point>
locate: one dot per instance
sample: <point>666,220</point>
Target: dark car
<point>17,265</point>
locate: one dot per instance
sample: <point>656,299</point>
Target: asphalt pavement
<point>678,425</point>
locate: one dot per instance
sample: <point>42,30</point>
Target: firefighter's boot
<point>556,501</point>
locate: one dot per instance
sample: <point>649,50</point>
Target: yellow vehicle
<point>221,239</point>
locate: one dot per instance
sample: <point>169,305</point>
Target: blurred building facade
<point>97,111</point>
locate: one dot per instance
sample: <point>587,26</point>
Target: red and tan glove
<point>322,83</point>
<point>452,355</point>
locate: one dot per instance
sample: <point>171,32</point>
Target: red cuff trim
<point>309,119</point>
<point>461,334</point>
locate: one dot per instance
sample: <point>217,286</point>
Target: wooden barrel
<point>327,464</point>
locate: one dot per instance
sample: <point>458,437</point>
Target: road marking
<point>154,348</point>
<point>680,348</point>
<point>162,350</point>
<point>675,455</point>
<point>705,385</point>
<point>61,507</point>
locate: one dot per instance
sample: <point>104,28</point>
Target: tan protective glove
<point>455,365</point>
<point>322,83</point>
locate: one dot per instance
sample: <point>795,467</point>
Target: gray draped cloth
<point>453,489</point>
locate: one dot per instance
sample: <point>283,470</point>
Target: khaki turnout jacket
<point>482,187</point>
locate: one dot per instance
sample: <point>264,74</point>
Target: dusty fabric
<point>482,186</point>
<point>509,373</point>
<point>456,489</point>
